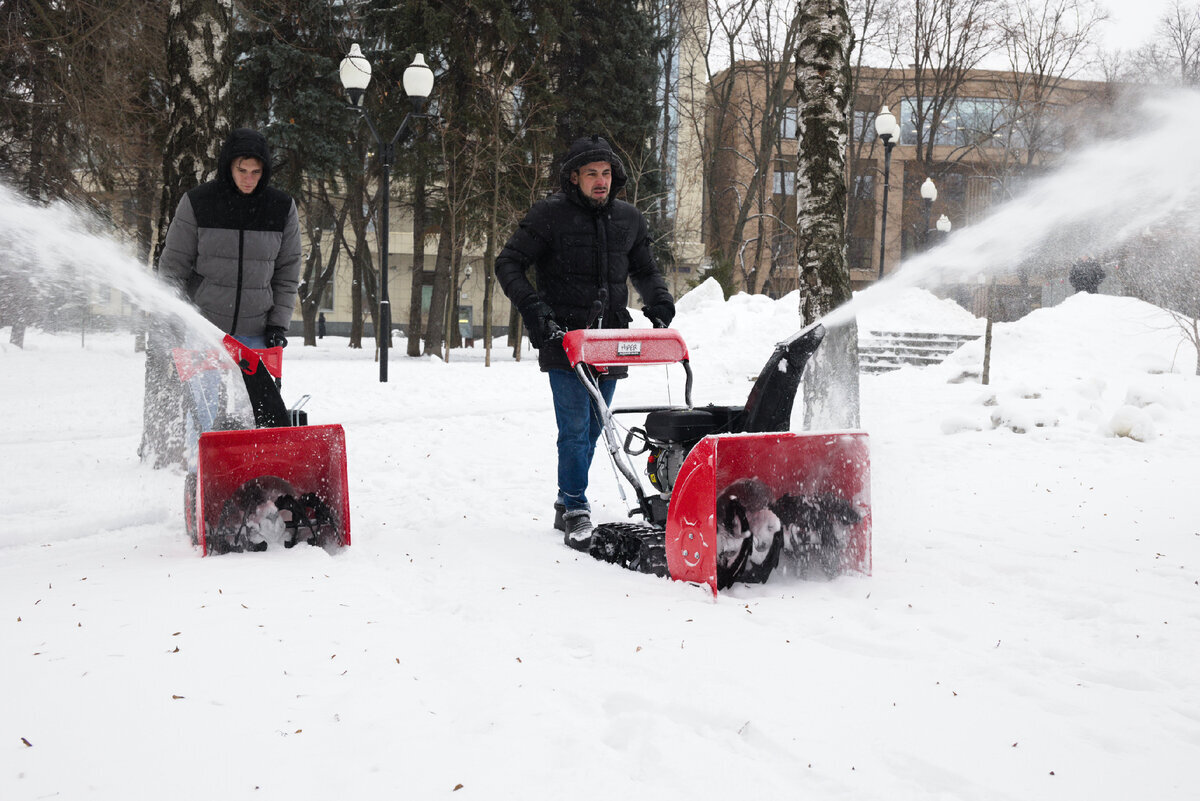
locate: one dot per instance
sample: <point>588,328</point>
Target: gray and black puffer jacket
<point>582,255</point>
<point>236,256</point>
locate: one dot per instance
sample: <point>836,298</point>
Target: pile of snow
<point>914,310</point>
<point>1096,365</point>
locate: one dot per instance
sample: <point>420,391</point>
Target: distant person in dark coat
<point>583,245</point>
<point>321,325</point>
<point>1086,275</point>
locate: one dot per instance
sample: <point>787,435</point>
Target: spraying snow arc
<point>57,256</point>
<point>1101,197</point>
<point>57,251</point>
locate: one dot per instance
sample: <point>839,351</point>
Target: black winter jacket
<point>582,256</point>
<point>236,256</point>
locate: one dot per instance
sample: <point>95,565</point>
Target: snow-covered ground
<point>1031,630</point>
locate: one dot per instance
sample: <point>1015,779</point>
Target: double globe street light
<point>355,72</point>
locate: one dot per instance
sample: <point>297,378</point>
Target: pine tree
<point>287,54</point>
<point>605,71</point>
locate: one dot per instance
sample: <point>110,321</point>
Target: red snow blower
<point>281,483</point>
<point>736,495</point>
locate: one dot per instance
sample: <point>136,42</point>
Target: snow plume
<point>57,253</point>
<point>1100,197</point>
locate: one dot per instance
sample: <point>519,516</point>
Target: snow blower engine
<point>281,483</point>
<point>736,495</point>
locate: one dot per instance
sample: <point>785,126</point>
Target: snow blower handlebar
<point>589,350</point>
<point>615,347</point>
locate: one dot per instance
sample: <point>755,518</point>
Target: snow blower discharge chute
<point>736,495</point>
<point>281,483</point>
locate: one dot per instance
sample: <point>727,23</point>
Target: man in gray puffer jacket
<point>233,246</point>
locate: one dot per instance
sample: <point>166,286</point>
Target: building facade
<point>979,145</point>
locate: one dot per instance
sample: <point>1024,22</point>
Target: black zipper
<point>237,298</point>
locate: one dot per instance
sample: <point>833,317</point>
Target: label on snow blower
<point>629,348</point>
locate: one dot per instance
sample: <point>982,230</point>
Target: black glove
<point>660,314</point>
<point>276,336</point>
<point>539,320</point>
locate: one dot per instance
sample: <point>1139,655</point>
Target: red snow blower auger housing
<point>737,496</point>
<point>281,483</point>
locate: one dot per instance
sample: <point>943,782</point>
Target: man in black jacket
<point>584,245</point>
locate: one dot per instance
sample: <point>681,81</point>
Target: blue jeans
<point>579,427</point>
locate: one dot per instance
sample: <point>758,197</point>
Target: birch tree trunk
<point>823,84</point>
<point>200,67</point>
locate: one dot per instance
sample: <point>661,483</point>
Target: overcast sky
<point>1132,22</point>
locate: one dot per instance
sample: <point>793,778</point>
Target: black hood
<point>585,151</point>
<point>244,142</point>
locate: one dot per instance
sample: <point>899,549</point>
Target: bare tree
<point>1163,268</point>
<point>738,123</point>
<point>362,207</point>
<point>1047,43</point>
<point>1172,56</point>
<point>940,42</point>
<point>322,223</point>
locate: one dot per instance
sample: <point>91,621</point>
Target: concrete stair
<point>884,351</point>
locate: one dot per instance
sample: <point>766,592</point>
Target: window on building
<point>863,186</point>
<point>789,126</point>
<point>859,251</point>
<point>1041,129</point>
<point>866,108</point>
<point>966,122</point>
<point>785,181</point>
<point>864,125</point>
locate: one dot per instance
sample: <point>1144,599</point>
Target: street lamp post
<point>928,195</point>
<point>355,73</point>
<point>887,129</point>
